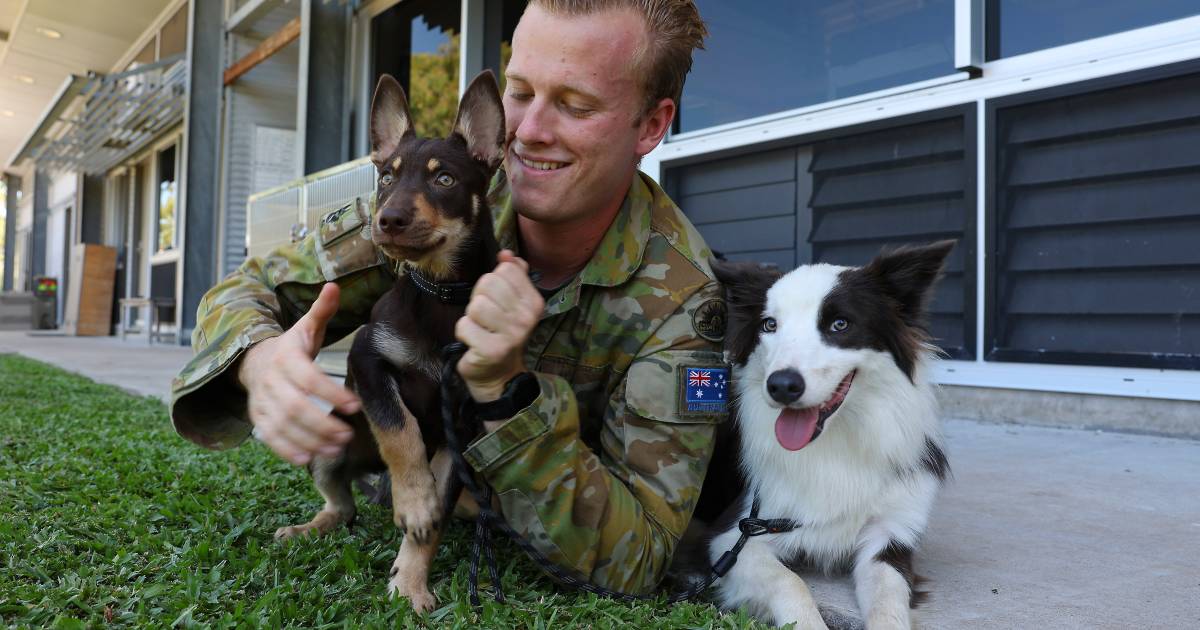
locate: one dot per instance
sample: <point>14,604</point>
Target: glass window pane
<point>166,200</point>
<point>417,42</point>
<point>1029,25</point>
<point>775,55</point>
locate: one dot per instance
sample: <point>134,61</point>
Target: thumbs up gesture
<point>279,375</point>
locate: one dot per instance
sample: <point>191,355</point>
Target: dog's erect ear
<point>746,286</point>
<point>908,274</point>
<point>480,120</point>
<point>390,119</point>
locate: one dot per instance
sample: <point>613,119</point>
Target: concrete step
<point>16,311</point>
<point>15,300</point>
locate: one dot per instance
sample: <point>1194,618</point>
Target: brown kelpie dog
<point>433,218</point>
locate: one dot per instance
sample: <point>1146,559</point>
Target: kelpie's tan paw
<point>321,523</point>
<point>417,511</point>
<point>291,531</point>
<point>415,591</point>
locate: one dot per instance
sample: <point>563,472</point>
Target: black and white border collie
<point>838,429</point>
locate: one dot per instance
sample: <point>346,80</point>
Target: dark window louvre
<point>907,184</point>
<point>1096,224</point>
<point>842,199</point>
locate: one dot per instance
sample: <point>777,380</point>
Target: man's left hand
<point>503,311</point>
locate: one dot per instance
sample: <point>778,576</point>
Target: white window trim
<point>1129,51</point>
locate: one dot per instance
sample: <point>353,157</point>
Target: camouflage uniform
<point>602,471</point>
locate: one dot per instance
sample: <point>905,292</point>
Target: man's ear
<point>909,274</point>
<point>654,125</point>
<point>390,119</point>
<point>480,120</point>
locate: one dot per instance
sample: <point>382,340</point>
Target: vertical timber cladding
<point>842,198</point>
<point>1096,224</point>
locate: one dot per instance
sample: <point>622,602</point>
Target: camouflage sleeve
<point>614,516</point>
<point>260,300</point>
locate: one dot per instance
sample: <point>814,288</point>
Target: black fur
<point>899,556</point>
<point>746,287</point>
<point>885,302</point>
<point>934,460</point>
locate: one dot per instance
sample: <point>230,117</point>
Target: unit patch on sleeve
<point>704,390</point>
<point>709,320</point>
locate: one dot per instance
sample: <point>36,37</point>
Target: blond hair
<point>674,30</point>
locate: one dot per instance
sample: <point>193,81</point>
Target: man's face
<point>570,106</point>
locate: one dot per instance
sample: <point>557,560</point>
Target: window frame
<point>169,255</point>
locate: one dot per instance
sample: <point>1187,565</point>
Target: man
<point>601,464</point>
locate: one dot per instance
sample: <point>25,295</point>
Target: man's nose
<point>534,125</point>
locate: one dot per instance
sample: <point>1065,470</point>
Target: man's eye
<point>385,179</point>
<point>445,180</point>
<point>769,325</point>
<point>839,325</point>
<point>520,96</point>
<point>576,111</point>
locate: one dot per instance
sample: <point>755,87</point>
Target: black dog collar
<point>458,293</point>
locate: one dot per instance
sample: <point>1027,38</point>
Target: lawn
<point>109,518</point>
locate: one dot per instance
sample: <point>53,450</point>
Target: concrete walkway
<point>132,364</point>
<point>1039,528</point>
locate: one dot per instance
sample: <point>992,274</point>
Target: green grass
<point>107,517</point>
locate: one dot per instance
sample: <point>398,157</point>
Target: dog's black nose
<point>785,386</point>
<point>393,221</point>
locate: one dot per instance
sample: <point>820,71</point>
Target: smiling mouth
<point>541,165</point>
<point>797,428</point>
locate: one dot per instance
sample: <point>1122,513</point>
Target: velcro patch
<point>345,220</point>
<point>703,390</point>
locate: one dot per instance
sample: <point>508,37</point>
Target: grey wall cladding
<point>843,198</point>
<point>1096,221</point>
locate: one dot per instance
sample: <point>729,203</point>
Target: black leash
<point>453,390</point>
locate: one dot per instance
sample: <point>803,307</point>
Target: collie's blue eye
<point>769,325</point>
<point>445,180</point>
<point>839,325</point>
<point>385,179</point>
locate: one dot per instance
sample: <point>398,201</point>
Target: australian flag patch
<point>705,390</point>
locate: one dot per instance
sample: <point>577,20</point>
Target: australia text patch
<point>704,390</point>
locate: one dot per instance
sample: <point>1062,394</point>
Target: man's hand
<point>503,311</point>
<point>279,374</point>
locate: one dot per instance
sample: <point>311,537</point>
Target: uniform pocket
<point>681,386</point>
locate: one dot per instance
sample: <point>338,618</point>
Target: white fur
<point>400,352</point>
<point>855,488</point>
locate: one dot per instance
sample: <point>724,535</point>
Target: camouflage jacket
<point>602,471</point>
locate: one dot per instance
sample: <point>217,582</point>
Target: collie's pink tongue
<point>794,428</point>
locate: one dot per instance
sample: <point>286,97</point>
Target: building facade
<point>1055,141</point>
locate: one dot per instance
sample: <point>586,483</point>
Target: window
<point>1021,26</point>
<point>1094,225</point>
<point>417,42</point>
<point>166,200</point>
<point>843,197</point>
<point>775,55</point>
<point>173,36</point>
